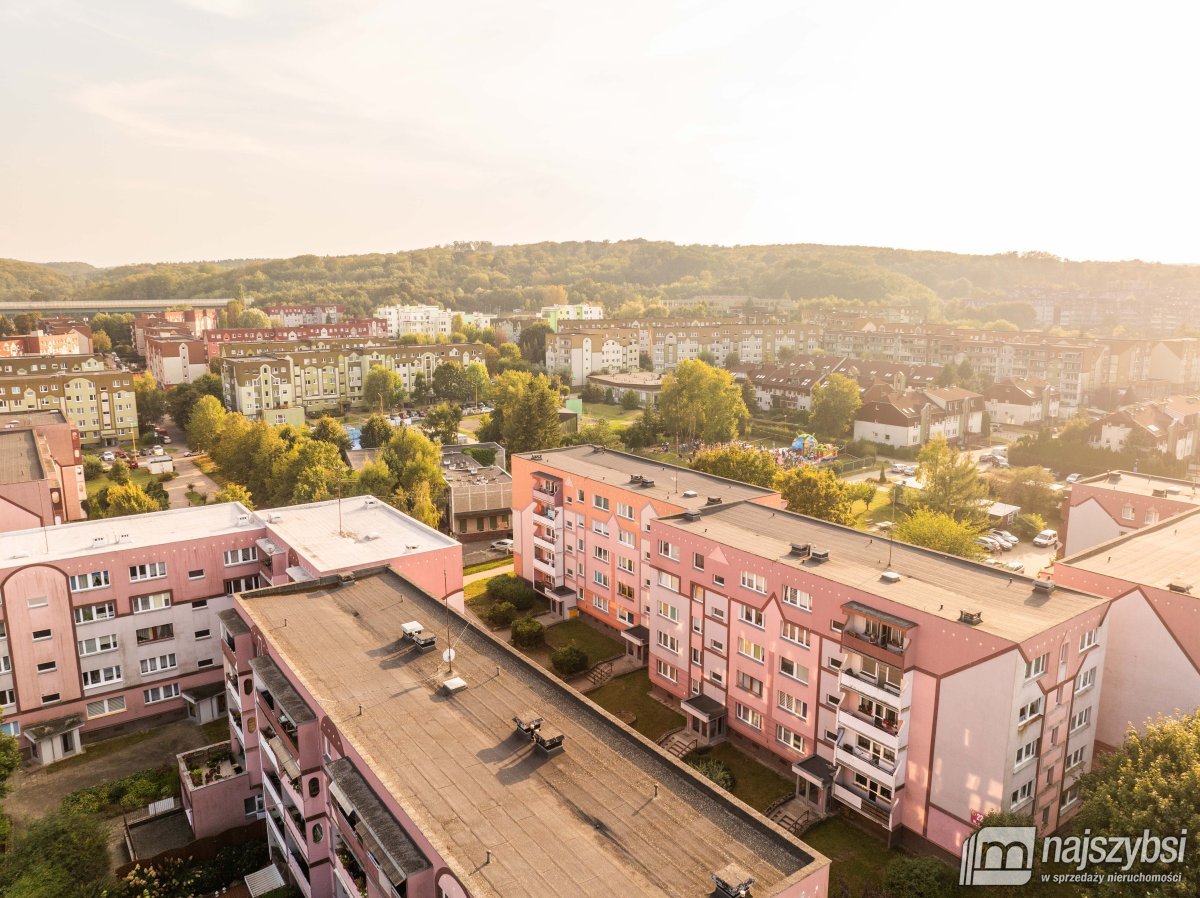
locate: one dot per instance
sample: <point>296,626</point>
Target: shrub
<point>167,477</point>
<point>629,400</point>
<point>92,467</point>
<point>125,794</point>
<point>528,633</point>
<point>514,590</point>
<point>591,393</point>
<point>1027,526</point>
<point>715,770</point>
<point>501,614</point>
<point>568,660</point>
<point>919,877</point>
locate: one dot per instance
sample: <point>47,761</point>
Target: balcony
<point>545,540</point>
<point>275,826</point>
<point>547,494</point>
<point>299,868</point>
<point>350,871</point>
<point>545,515</point>
<point>875,728</point>
<point>871,765</point>
<point>879,690</point>
<point>875,809</point>
<point>297,820</point>
<point>210,765</point>
<point>881,650</point>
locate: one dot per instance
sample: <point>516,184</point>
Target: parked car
<point>503,545</point>
<point>897,468</point>
<point>988,543</point>
<point>158,450</point>
<point>189,453</point>
<point>166,438</point>
<point>1001,462</point>
<point>987,458</point>
<point>1072,478</point>
<point>1046,538</point>
<point>1006,536</point>
<point>1015,566</point>
<point>107,456</point>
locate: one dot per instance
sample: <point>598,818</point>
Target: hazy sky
<point>201,129</point>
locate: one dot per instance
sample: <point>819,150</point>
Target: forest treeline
<point>483,277</point>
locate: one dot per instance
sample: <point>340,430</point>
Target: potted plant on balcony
<point>197,776</point>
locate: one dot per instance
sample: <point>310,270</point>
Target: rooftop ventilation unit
<point>1044,585</point>
<point>820,554</point>
<point>124,538</point>
<point>1173,491</point>
<point>370,502</point>
<point>713,500</point>
<point>243,519</point>
<point>1179,585</point>
<point>690,494</point>
<point>970,617</point>
<point>1114,477</point>
<point>801,550</point>
<point>1159,493</point>
<point>889,577</point>
<point>635,478</point>
<point>274,518</point>
<point>647,481</point>
<point>692,515</point>
<point>97,541</point>
<point>454,684</point>
<point>535,458</point>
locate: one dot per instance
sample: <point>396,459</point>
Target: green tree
<point>205,423</point>
<point>951,483</point>
<point>1028,488</point>
<point>421,505</point>
<point>127,499</point>
<point>816,492</point>
<point>441,423</point>
<point>533,342</point>
<point>252,318</point>
<point>450,382</point>
<point>908,876</point>
<point>10,760</point>
<point>151,401</point>
<point>477,383</point>
<point>834,405</point>
<point>939,531</point>
<point>482,454</point>
<point>1027,526</point>
<point>330,430</point>
<point>383,388</point>
<point>101,342</point>
<point>376,479</point>
<point>118,472</point>
<point>699,401</point>
<point>591,393</point>
<point>209,384</point>
<point>180,400</point>
<point>599,434</point>
<point>630,401</point>
<point>1152,782</point>
<point>422,390</point>
<point>862,491</point>
<point>92,467</point>
<point>533,422</point>
<point>376,431</point>
<point>62,855</point>
<point>414,459</point>
<point>749,465</point>
<point>1077,430</point>
<point>234,492</point>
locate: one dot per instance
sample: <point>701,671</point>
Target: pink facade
<point>176,359</point>
<point>369,327</point>
<point>70,342</point>
<point>1110,505</point>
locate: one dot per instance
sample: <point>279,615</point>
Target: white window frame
<point>666,671</point>
<point>1089,639</point>
<point>90,614</point>
<point>106,643</point>
<point>668,550</point>
<point>796,666</point>
<point>244,555</point>
<point>668,581</point>
<point>668,642</point>
<point>83,582</point>
<point>793,740</point>
<point>668,611</point>
<point>155,601</point>
<point>1080,720</point>
<point>751,650</point>
<point>103,676</point>
<point>156,694</point>
<point>1085,680</point>
<point>158,664</point>
<point>792,705</point>
<point>795,634</point>
<point>625,511</point>
<point>749,716</point>
<point>754,582</point>
<point>797,598</point>
<point>150,570</point>
<point>1035,667</point>
<point>747,614</point>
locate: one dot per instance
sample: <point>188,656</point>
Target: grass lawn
<point>488,565</point>
<point>474,590</point>
<point>140,476</point>
<point>858,858</point>
<point>209,467</point>
<point>614,414</point>
<point>631,693</point>
<point>599,646</point>
<point>480,601</point>
<point>754,783</point>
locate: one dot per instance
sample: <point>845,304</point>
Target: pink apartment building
<point>1098,509</point>
<point>383,771</point>
<point>367,327</point>
<point>916,689</point>
<point>111,625</point>
<point>581,521</point>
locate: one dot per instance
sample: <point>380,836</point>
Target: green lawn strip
<point>487,565</point>
<point>630,694</point>
<point>614,414</point>
<point>858,859</point>
<point>140,476</point>
<point>754,783</point>
<point>599,646</point>
<point>480,601</point>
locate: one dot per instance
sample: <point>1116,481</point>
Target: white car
<point>158,450</point>
<point>1011,537</point>
<point>503,545</point>
<point>1046,538</point>
<point>1072,478</point>
<point>1015,566</point>
<point>108,457</point>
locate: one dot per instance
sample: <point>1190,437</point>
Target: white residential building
<point>426,321</point>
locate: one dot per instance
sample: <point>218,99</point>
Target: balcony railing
<point>872,647</point>
<point>860,800</point>
<point>880,763</point>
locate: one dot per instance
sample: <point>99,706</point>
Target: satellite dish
<point>448,655</point>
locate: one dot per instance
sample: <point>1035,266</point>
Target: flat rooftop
<point>1164,553</point>
<point>1144,485</point>
<point>19,458</point>
<point>930,581</point>
<point>32,419</point>
<point>371,532</point>
<point>581,823</point>
<point>670,481</point>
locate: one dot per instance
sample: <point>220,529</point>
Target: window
<point>749,716</point>
<point>624,615</point>
<point>626,538</point>
<point>751,616</point>
<point>160,693</point>
<point>789,738</point>
<point>1070,796</point>
<point>668,581</point>
<point>600,603</point>
<point>837,626</point>
<point>625,564</point>
<point>697,654</point>
<point>97,644</point>
<point>39,635</point>
<point>750,649</point>
<point>625,591</point>
<point>153,634</point>
<point>1080,719</point>
<point>624,511</point>
<point>89,613</point>
<point>158,663</point>
<point>600,553</point>
<point>241,584</point>
<point>1152,516</point>
<point>199,604</point>
<point>797,598</point>
<point>1127,512</point>
<point>196,575</point>
<point>1021,795</point>
<point>582,497</point>
<point>794,633</point>
<point>669,611</point>
<point>1026,751</point>
<point>37,601</point>
<point>716,676</point>
<point>47,667</point>
<point>1036,667</point>
<point>749,684</point>
<point>600,502</point>
<point>793,705</point>
<point>600,578</point>
<point>205,662</point>
<point>94,580</point>
<point>241,556</point>
<point>718,580</point>
<point>1075,758</point>
<point>598,527</point>
<point>790,668</point>
<point>698,561</point>
<point>8,697</point>
<point>667,550</point>
<point>51,698</point>
<point>1085,680</point>
<point>1089,639</point>
<point>668,642</point>
<point>153,602</point>
<point>754,582</point>
<point>1029,711</point>
<point>665,670</point>
<point>102,676</point>
<point>155,570</point>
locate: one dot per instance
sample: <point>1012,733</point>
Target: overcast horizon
<point>195,130</point>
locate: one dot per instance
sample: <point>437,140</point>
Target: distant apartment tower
<point>424,321</point>
<point>41,471</point>
<point>111,625</point>
<point>67,342</point>
<point>580,311</point>
<point>298,316</point>
<point>362,330</point>
<point>99,401</point>
<point>584,352</point>
<point>176,359</point>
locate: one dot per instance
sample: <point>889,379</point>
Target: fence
<point>203,850</point>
